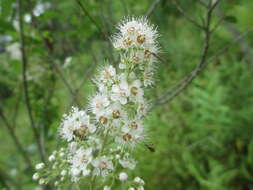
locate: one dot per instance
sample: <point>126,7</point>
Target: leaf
<point>230,19</point>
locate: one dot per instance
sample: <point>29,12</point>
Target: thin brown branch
<point>152,8</point>
<point>189,18</point>
<point>86,13</point>
<point>171,93</point>
<point>187,81</point>
<point>202,3</point>
<point>16,141</point>
<point>24,77</point>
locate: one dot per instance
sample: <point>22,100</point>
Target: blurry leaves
<point>231,19</point>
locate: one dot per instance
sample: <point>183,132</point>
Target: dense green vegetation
<point>202,138</point>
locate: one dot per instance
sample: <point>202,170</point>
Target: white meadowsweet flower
<point>103,117</point>
<point>36,176</point>
<point>56,183</point>
<point>117,113</point>
<point>63,172</point>
<point>142,109</point>
<point>76,124</point>
<point>139,181</point>
<point>42,181</point>
<point>107,75</point>
<point>79,162</point>
<point>94,142</point>
<point>103,165</point>
<point>106,188</point>
<point>148,75</point>
<point>39,166</point>
<point>123,176</point>
<point>136,91</point>
<point>51,158</point>
<point>99,102</point>
<point>140,188</point>
<point>120,92</point>
<point>135,33</point>
<point>128,163</point>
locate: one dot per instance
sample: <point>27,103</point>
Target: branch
<point>181,85</point>
<point>179,8</point>
<point>16,141</point>
<point>244,46</point>
<point>152,8</point>
<point>25,84</point>
<point>92,19</point>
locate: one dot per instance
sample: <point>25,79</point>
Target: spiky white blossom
<point>102,166</point>
<point>120,91</point>
<point>128,163</point>
<point>98,103</point>
<point>135,33</point>
<point>80,161</point>
<point>76,124</point>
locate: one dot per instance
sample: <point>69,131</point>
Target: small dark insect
<point>150,147</point>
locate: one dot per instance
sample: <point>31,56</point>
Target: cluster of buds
<point>100,139</point>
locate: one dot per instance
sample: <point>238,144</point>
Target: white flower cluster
<point>100,139</point>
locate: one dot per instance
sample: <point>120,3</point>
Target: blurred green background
<point>203,137</point>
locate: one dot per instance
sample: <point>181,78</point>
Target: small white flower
<point>36,176</point>
<point>128,163</point>
<point>106,75</point>
<point>56,183</point>
<point>140,188</point>
<point>39,166</point>
<point>51,158</point>
<point>123,176</point>
<point>139,181</point>
<point>62,154</point>
<point>131,188</point>
<point>76,125</point>
<point>102,166</point>
<point>79,162</point>
<point>136,91</point>
<point>42,181</point>
<point>63,172</point>
<point>106,188</point>
<point>98,103</point>
<point>117,156</point>
<point>120,92</point>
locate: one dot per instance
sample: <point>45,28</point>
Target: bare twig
<point>171,93</point>
<point>16,140</point>
<point>92,19</point>
<point>25,84</point>
<point>244,46</point>
<point>152,8</point>
<point>202,3</point>
<point>183,84</point>
<point>189,18</point>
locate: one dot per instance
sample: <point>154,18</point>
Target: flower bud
<point>39,166</point>
<point>107,188</point>
<point>42,181</point>
<point>51,158</point>
<point>123,176</point>
<point>36,176</point>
